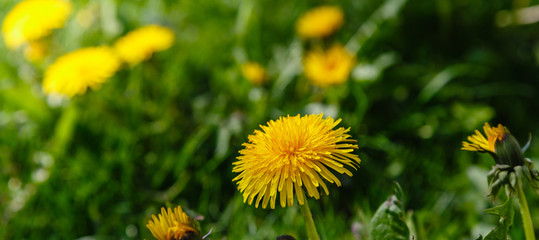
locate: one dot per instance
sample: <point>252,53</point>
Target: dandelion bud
<point>511,167</point>
<point>498,142</point>
<point>508,151</point>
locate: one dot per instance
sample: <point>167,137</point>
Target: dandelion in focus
<point>330,67</point>
<point>293,154</point>
<point>320,22</point>
<point>139,44</point>
<point>253,72</point>
<point>31,20</point>
<point>173,225</point>
<point>73,73</point>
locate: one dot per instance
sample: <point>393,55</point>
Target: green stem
<point>64,129</point>
<point>525,212</point>
<point>309,223</point>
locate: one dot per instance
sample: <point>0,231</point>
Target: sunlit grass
<point>165,130</point>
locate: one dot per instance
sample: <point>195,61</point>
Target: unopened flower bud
<point>508,151</point>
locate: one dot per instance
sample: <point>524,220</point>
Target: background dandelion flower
<point>331,67</point>
<point>33,19</point>
<point>74,72</point>
<point>291,154</point>
<point>253,72</point>
<point>139,44</point>
<point>173,225</point>
<point>320,22</point>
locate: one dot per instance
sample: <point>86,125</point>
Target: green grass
<point>166,131</point>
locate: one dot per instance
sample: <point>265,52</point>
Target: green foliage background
<point>166,131</point>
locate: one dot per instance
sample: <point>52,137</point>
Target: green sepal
<point>492,174</point>
<point>531,174</point>
<point>494,189</point>
<point>527,145</point>
<point>389,222</point>
<point>513,180</point>
<point>508,151</point>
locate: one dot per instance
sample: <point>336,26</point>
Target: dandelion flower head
<point>139,44</point>
<point>73,73</point>
<point>330,67</point>
<point>480,143</point>
<point>320,22</point>
<point>293,154</point>
<point>172,225</point>
<point>33,19</point>
<point>253,72</point>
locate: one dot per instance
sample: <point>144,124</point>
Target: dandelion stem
<point>309,223</point>
<point>525,212</point>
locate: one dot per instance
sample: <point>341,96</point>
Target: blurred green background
<point>166,131</point>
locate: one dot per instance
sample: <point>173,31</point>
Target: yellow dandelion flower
<point>139,44</point>
<point>36,51</point>
<point>320,22</point>
<point>291,154</point>
<point>253,72</point>
<point>499,143</point>
<point>173,225</point>
<point>74,72</point>
<point>328,68</point>
<point>479,143</point>
<point>33,19</point>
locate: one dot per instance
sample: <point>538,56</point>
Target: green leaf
<point>389,220</point>
<point>506,213</point>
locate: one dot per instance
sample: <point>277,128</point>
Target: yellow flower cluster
<point>320,22</point>
<point>74,72</point>
<point>173,225</point>
<point>291,154</point>
<point>31,20</point>
<point>330,67</point>
<point>139,44</point>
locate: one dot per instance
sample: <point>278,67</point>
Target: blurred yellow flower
<point>36,51</point>
<point>292,153</point>
<point>74,72</point>
<point>173,225</point>
<point>253,72</point>
<point>479,143</point>
<point>33,19</point>
<point>328,68</point>
<point>320,22</point>
<point>139,44</point>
